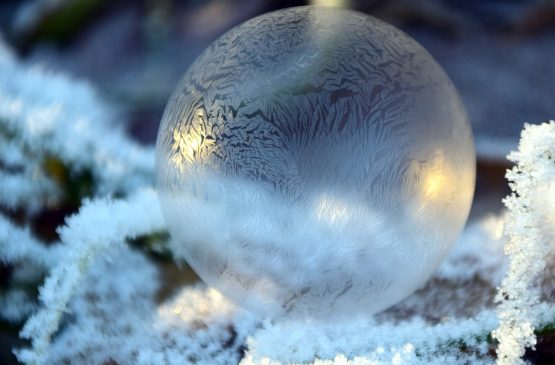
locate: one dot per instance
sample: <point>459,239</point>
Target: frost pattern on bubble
<point>315,162</point>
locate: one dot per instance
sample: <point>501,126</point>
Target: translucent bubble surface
<point>315,163</point>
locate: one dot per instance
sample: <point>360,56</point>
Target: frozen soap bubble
<point>315,163</point>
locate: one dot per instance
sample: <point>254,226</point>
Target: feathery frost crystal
<point>315,162</point>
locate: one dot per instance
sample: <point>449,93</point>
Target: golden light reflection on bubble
<point>335,3</point>
<point>188,145</point>
<point>191,305</point>
<point>444,184</point>
<point>438,178</point>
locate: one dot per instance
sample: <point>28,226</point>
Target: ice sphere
<point>315,163</point>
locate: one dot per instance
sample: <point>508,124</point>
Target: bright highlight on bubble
<point>315,163</point>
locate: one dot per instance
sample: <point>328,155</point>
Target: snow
<point>99,302</point>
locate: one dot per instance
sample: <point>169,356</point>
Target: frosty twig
<point>527,246</point>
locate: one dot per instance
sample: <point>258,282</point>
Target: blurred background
<point>499,54</point>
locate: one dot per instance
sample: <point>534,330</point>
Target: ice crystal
<point>528,247</point>
<point>315,163</point>
<point>100,304</point>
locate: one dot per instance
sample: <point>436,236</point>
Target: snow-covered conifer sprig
<point>29,259</point>
<point>527,245</point>
<point>18,244</point>
<point>44,114</point>
<point>99,226</point>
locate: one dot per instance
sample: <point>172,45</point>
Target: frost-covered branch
<point>18,244</point>
<point>16,305</point>
<point>30,259</point>
<point>52,131</point>
<point>411,342</point>
<point>19,190</point>
<point>99,226</point>
<point>527,247</point>
<point>43,114</point>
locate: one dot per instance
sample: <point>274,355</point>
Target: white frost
<point>99,302</point>
<point>527,245</point>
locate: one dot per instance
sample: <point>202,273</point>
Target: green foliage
<point>548,329</point>
<point>155,244</point>
<point>75,186</point>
